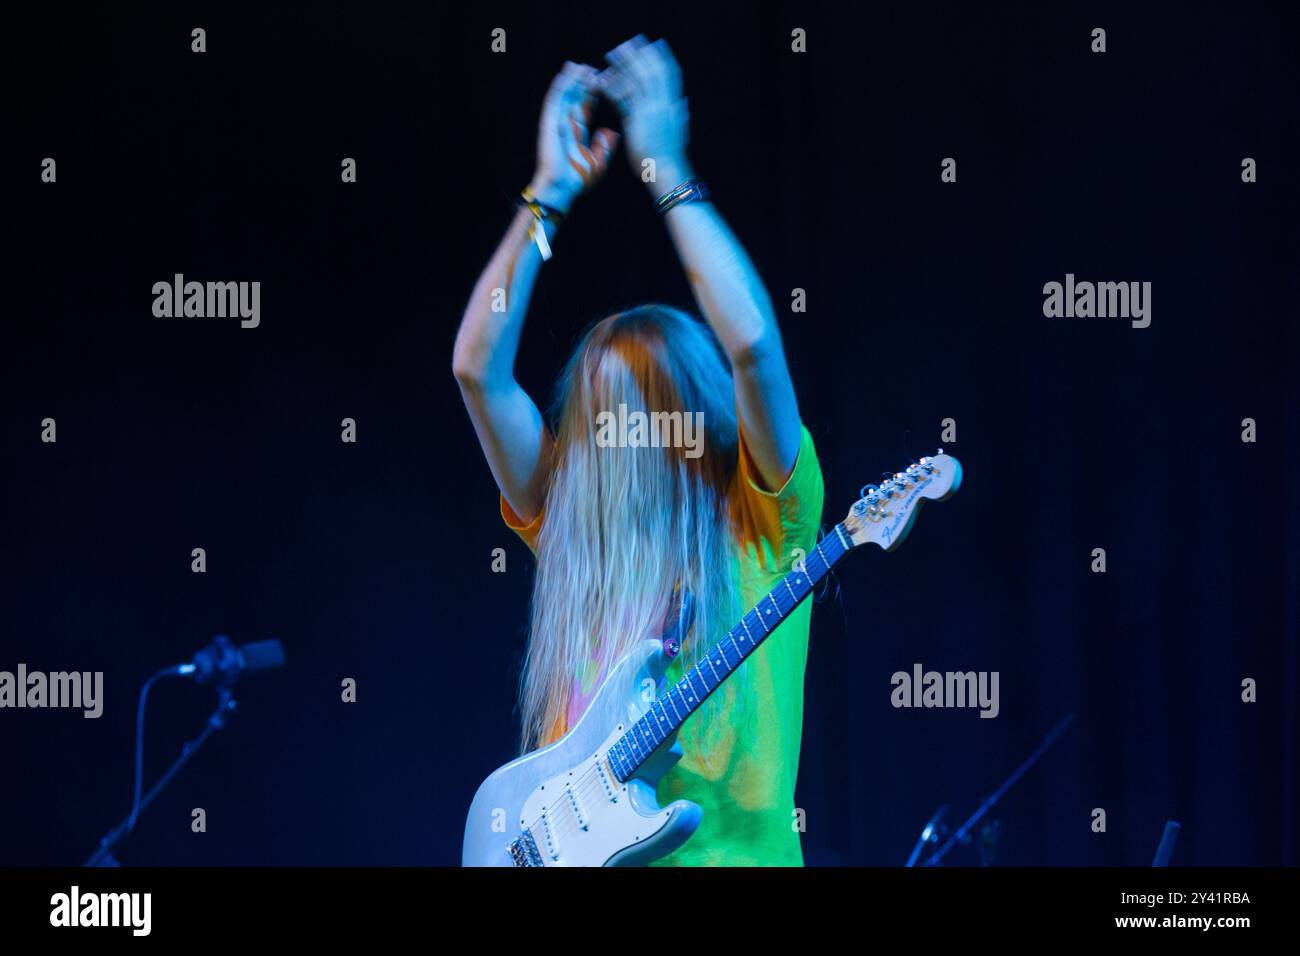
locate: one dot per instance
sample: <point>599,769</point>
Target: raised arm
<point>508,424</point>
<point>646,83</point>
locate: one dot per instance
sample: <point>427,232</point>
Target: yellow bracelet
<point>541,214</point>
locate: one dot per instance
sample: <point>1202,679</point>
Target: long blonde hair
<point>626,527</point>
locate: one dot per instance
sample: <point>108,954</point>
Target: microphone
<point>221,662</point>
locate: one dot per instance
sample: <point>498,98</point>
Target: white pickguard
<point>589,824</point>
<point>576,811</point>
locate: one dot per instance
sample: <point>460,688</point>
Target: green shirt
<point>741,769</point>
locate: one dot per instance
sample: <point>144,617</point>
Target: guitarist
<point>621,528</point>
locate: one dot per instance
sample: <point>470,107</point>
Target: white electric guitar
<point>588,799</point>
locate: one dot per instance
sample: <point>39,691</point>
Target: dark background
<point>372,560</point>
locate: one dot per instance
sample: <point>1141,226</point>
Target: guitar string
<point>586,784</point>
<point>566,824</point>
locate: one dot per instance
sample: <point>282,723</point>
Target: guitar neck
<point>667,714</point>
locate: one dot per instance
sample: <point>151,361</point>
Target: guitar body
<point>575,811</point>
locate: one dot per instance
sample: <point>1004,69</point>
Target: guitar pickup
<point>552,846</point>
<point>576,806</point>
<point>611,792</point>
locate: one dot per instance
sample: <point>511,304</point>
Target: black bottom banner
<point>237,905</point>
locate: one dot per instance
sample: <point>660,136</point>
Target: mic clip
<point>219,663</point>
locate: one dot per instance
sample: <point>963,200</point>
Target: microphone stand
<point>987,805</point>
<point>103,855</point>
<point>932,833</point>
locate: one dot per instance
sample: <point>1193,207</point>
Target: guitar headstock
<point>885,512</point>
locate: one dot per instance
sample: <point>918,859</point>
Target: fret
<point>716,678</point>
<point>703,682</point>
<point>681,696</point>
<point>703,676</point>
<point>677,716</point>
<point>661,716</point>
<point>638,734</point>
<point>659,722</point>
<point>840,531</point>
<point>720,649</point>
<point>690,673</point>
<point>677,689</point>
